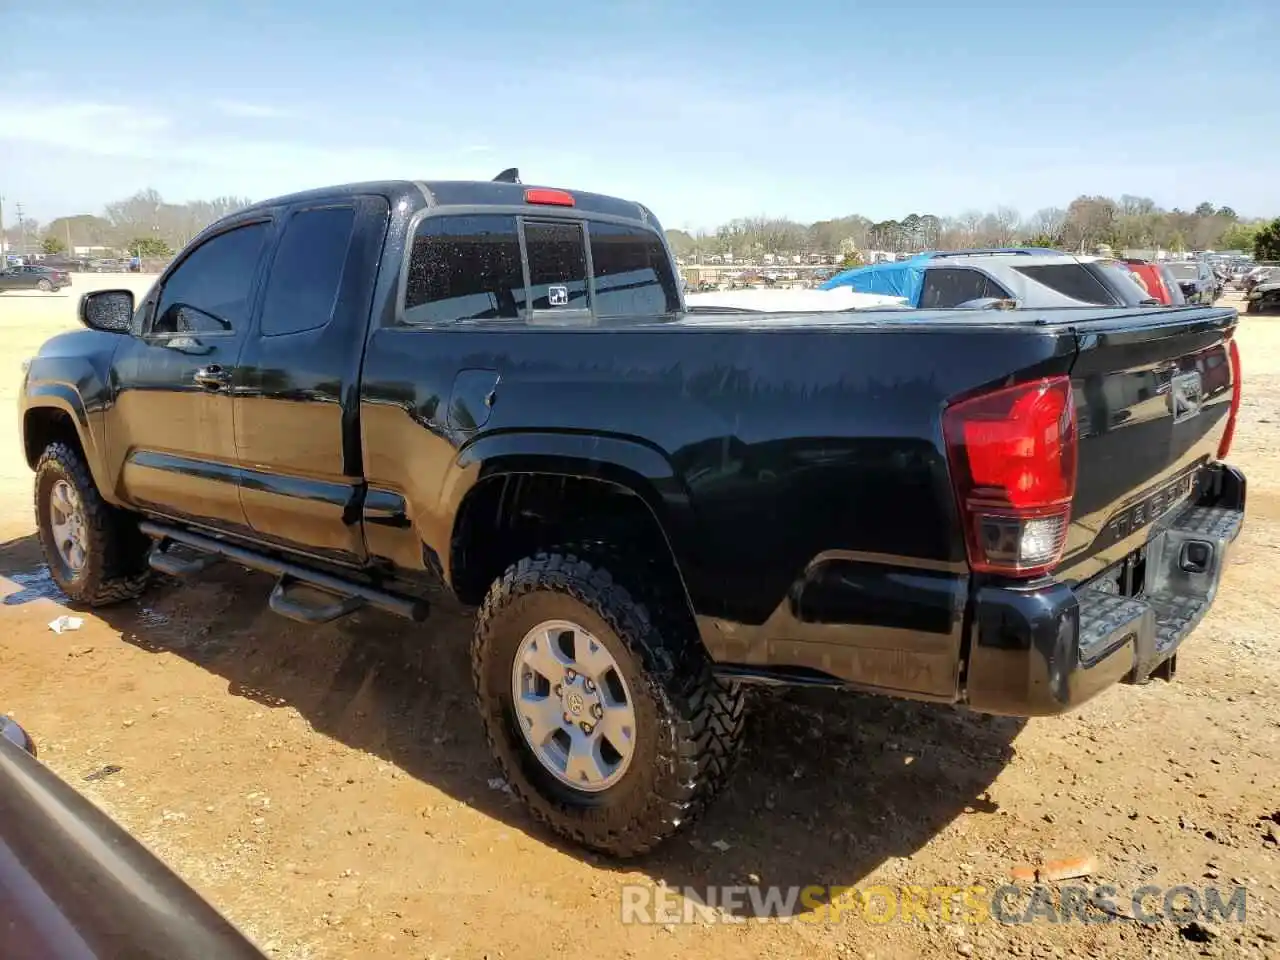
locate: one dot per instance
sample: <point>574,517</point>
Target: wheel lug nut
<point>559,689</point>
<point>586,727</point>
<point>570,676</point>
<point>568,718</point>
<point>588,686</point>
<point>597,711</point>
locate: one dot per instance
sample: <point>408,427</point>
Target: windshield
<point>1184,271</point>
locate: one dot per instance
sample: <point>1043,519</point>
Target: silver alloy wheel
<point>66,524</point>
<point>573,706</point>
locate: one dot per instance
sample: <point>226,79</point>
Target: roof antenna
<point>510,175</point>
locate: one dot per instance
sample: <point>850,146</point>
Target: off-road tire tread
<point>123,574</point>
<point>702,717</point>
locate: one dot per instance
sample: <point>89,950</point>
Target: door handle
<point>213,377</point>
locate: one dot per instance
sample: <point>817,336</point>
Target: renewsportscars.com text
<point>1008,904</point>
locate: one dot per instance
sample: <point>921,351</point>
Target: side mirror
<point>10,731</point>
<point>108,310</point>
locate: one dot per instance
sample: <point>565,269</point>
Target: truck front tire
<point>566,662</point>
<point>95,552</point>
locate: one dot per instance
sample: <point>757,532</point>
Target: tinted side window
<point>557,265</point>
<point>307,271</point>
<point>465,268</point>
<point>952,286</point>
<point>632,271</point>
<point>1071,280</point>
<point>210,290</point>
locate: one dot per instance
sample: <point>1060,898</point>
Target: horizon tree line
<point>147,222</point>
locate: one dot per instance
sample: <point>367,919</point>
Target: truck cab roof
<point>472,193</point>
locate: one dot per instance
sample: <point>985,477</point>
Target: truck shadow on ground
<point>830,785</point>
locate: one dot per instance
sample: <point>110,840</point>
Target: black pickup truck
<point>373,389</point>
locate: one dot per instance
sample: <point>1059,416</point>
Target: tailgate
<point>1152,396</point>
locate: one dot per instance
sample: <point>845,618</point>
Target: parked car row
<point>1261,273</point>
<point>1033,278</point>
<point>1157,279</point>
<point>1003,278</point>
<point>80,264</point>
<point>1262,288</point>
<point>1197,280</point>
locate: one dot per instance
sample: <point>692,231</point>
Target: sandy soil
<point>329,789</point>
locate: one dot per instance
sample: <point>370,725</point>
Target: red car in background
<point>1156,279</point>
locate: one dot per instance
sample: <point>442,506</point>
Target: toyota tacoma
<point>372,390</point>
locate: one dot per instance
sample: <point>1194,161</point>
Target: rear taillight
<point>1012,454</point>
<point>1233,354</point>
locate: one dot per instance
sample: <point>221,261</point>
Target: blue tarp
<point>902,278</point>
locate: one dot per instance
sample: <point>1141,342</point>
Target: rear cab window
<point>632,273</point>
<point>557,255</point>
<point>465,268</point>
<point>536,269</point>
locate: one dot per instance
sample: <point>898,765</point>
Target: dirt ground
<point>330,791</point>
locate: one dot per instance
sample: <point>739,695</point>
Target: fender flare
<point>65,399</point>
<point>634,466</point>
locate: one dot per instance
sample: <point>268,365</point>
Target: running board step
<point>162,561</point>
<point>295,608</point>
<point>346,591</point>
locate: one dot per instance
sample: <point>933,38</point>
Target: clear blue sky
<point>703,110</point>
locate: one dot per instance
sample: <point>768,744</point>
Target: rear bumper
<point>1046,650</point>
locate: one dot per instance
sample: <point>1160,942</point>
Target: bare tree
<point>146,214</point>
<point>970,223</point>
<point>1005,221</point>
<point>1090,221</point>
<point>1049,221</point>
<point>930,231</point>
<point>136,215</point>
<point>1132,206</point>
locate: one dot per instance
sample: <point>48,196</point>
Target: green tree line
<point>1088,221</point>
<point>146,223</point>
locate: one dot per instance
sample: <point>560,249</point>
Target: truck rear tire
<point>605,720</point>
<point>95,552</point>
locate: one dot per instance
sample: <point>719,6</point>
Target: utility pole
<point>22,231</point>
